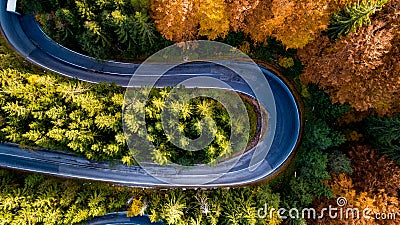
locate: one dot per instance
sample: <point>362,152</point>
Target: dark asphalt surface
<point>26,37</point>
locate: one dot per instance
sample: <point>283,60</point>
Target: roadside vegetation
<point>341,56</point>
<point>119,29</point>
<point>49,111</point>
<point>36,199</point>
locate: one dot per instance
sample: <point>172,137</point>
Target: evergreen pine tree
<point>354,15</point>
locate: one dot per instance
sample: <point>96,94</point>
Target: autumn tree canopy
<point>239,9</point>
<point>374,184</point>
<point>176,20</point>
<point>294,23</point>
<point>362,68</point>
<point>213,19</point>
<point>185,20</point>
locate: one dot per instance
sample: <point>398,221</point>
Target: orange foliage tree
<point>176,19</point>
<point>374,184</point>
<point>375,205</point>
<point>294,23</point>
<point>184,20</point>
<point>253,22</point>
<point>362,68</point>
<point>373,172</point>
<point>239,9</point>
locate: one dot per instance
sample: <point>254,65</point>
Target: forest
<point>48,111</point>
<point>200,116</point>
<point>342,57</point>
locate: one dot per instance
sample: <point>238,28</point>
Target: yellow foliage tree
<point>137,208</point>
<point>213,19</point>
<point>303,21</point>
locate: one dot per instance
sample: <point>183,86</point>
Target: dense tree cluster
<point>184,20</point>
<point>200,116</point>
<point>385,135</point>
<point>373,185</point>
<point>222,206</point>
<point>294,23</point>
<point>50,112</point>
<point>36,199</point>
<point>124,26</point>
<point>99,28</point>
<point>362,68</point>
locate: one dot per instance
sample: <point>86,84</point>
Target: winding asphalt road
<point>25,36</point>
